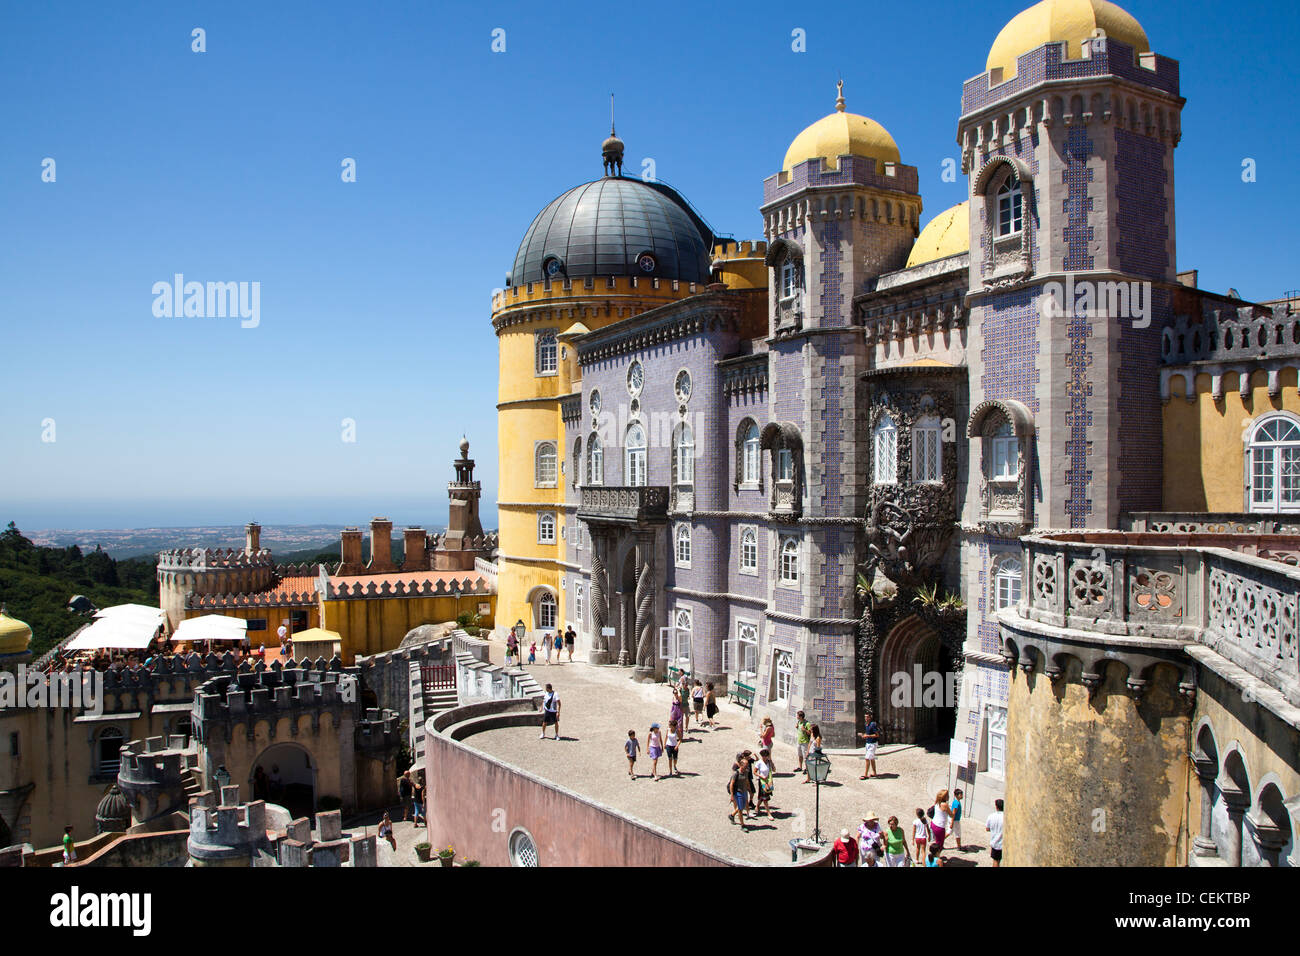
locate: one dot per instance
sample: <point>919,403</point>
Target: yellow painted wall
<point>273,616</point>
<point>372,625</point>
<point>1204,455</point>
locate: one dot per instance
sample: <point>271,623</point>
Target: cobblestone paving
<point>601,704</point>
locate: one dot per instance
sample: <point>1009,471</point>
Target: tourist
<point>684,697</point>
<point>940,818</point>
<point>766,734</point>
<point>697,702</point>
<point>801,741</point>
<point>654,748</point>
<point>994,826</point>
<point>872,737</point>
<point>512,647</point>
<point>630,747</point>
<point>69,847</point>
<point>934,859</point>
<point>764,781</point>
<point>281,632</point>
<point>559,643</point>
<point>814,747</point>
<point>920,834</point>
<point>710,705</point>
<point>417,799</point>
<point>870,837</point>
<point>896,844</point>
<point>386,830</point>
<point>675,711</point>
<point>570,638</point>
<point>869,859</point>
<point>405,791</point>
<point>738,787</point>
<point>550,711</point>
<point>261,652</point>
<point>956,817</point>
<point>846,850</point>
<point>532,652</point>
<point>546,647</point>
<point>671,744</point>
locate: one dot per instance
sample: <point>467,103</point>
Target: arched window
<point>682,633</point>
<point>789,279</point>
<point>577,603</point>
<point>749,550</point>
<point>885,447</point>
<point>1010,207</point>
<point>684,545</point>
<point>1006,583</point>
<point>790,561</point>
<point>748,464</point>
<point>1005,454</point>
<point>547,464</point>
<point>546,612</point>
<point>577,461</point>
<point>547,353</point>
<point>1274,461</point>
<point>634,472</point>
<point>927,450</point>
<point>546,527</point>
<point>595,461</point>
<point>685,451</point>
<point>109,757</point>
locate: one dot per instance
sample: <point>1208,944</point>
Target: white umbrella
<point>140,612</point>
<point>211,627</point>
<point>124,633</point>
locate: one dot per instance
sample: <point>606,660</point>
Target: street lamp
<point>520,629</point>
<point>819,768</point>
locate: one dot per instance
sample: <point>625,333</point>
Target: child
<point>920,833</point>
<point>532,652</point>
<point>559,645</point>
<point>654,748</point>
<point>766,734</point>
<point>631,747</point>
<point>956,816</point>
<point>670,748</point>
<point>710,705</point>
<point>934,859</point>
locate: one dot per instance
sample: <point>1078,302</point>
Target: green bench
<point>743,695</point>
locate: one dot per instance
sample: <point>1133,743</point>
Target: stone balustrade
<point>623,504</point>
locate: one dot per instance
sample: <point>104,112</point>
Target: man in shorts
<point>570,638</point>
<point>550,712</point>
<point>803,735</point>
<point>994,825</point>
<point>738,787</point>
<point>872,738</point>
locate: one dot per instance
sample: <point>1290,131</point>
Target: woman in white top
<point>941,819</point>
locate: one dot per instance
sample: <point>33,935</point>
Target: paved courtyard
<point>601,704</point>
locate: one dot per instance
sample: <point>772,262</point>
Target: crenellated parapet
<point>570,292</point>
<point>224,832</point>
<point>359,591</point>
<point>210,559</point>
<point>154,773</point>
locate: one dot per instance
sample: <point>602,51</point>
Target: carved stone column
<point>645,606</point>
<point>1238,802</point>
<point>599,653</point>
<point>1269,837</point>
<point>1206,770</point>
<point>624,639</point>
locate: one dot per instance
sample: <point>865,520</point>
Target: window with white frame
<point>1006,583</point>
<point>1010,207</point>
<point>685,452</point>
<point>546,527</point>
<point>749,460</point>
<point>578,592</point>
<point>1274,462</point>
<point>1005,454</point>
<point>784,464</point>
<point>545,620</point>
<point>595,461</point>
<point>547,352</point>
<point>684,545</point>
<point>740,656</point>
<point>782,676</point>
<point>927,450</point>
<point>546,466</point>
<point>682,633</point>
<point>634,472</point>
<point>789,279</point>
<point>885,447</point>
<point>790,561</point>
<point>749,551</point>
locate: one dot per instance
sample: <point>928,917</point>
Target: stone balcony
<point>639,505</point>
<point>1158,592</point>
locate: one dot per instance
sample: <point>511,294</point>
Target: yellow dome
<point>15,636</point>
<point>1063,21</point>
<point>842,134</point>
<point>947,234</point>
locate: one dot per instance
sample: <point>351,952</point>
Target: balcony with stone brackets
<point>638,506</point>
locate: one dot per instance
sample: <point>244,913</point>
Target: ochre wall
<point>1096,783</point>
<point>1204,454</point>
<point>273,616</point>
<point>372,625</point>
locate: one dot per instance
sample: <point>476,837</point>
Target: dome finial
<point>612,149</point>
<point>839,95</point>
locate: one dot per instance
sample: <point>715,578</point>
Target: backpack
<point>930,812</point>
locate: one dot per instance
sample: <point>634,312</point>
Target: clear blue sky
<point>375,295</point>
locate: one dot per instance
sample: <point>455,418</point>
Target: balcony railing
<point>1189,587</point>
<point>1201,522</point>
<point>636,504</point>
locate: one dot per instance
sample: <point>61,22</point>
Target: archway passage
<point>917,694</point>
<point>288,778</point>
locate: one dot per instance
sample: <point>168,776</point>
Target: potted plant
<point>470,863</point>
<point>422,850</point>
<point>446,855</point>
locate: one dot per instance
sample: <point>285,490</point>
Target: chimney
<point>350,550</point>
<point>252,537</point>
<point>381,546</point>
<point>413,556</point>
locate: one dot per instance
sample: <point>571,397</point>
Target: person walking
<point>846,850</point>
<point>814,747</point>
<point>69,847</point>
<point>920,834</point>
<point>671,744</point>
<point>654,748</point>
<point>697,702</point>
<point>570,638</point>
<point>676,710</point>
<point>896,844</point>
<point>559,643</point>
<point>871,839</point>
<point>550,712</point>
<point>547,647</point>
<point>994,826</point>
<point>957,809</point>
<point>417,799</point>
<point>630,747</point>
<point>512,647</point>
<point>940,819</point>
<point>766,734</point>
<point>872,738</point>
<point>738,789</point>
<point>532,652</point>
<point>801,737</point>
<point>763,772</point>
<point>684,697</point>
<point>710,705</point>
<point>405,791</point>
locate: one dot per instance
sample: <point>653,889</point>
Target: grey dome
<point>113,813</point>
<point>603,228</point>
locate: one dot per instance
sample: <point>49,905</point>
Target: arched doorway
<point>917,695</point>
<point>287,778</point>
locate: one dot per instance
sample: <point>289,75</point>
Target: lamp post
<point>819,768</point>
<point>520,629</point>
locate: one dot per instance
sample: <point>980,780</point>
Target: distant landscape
<point>286,541</point>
